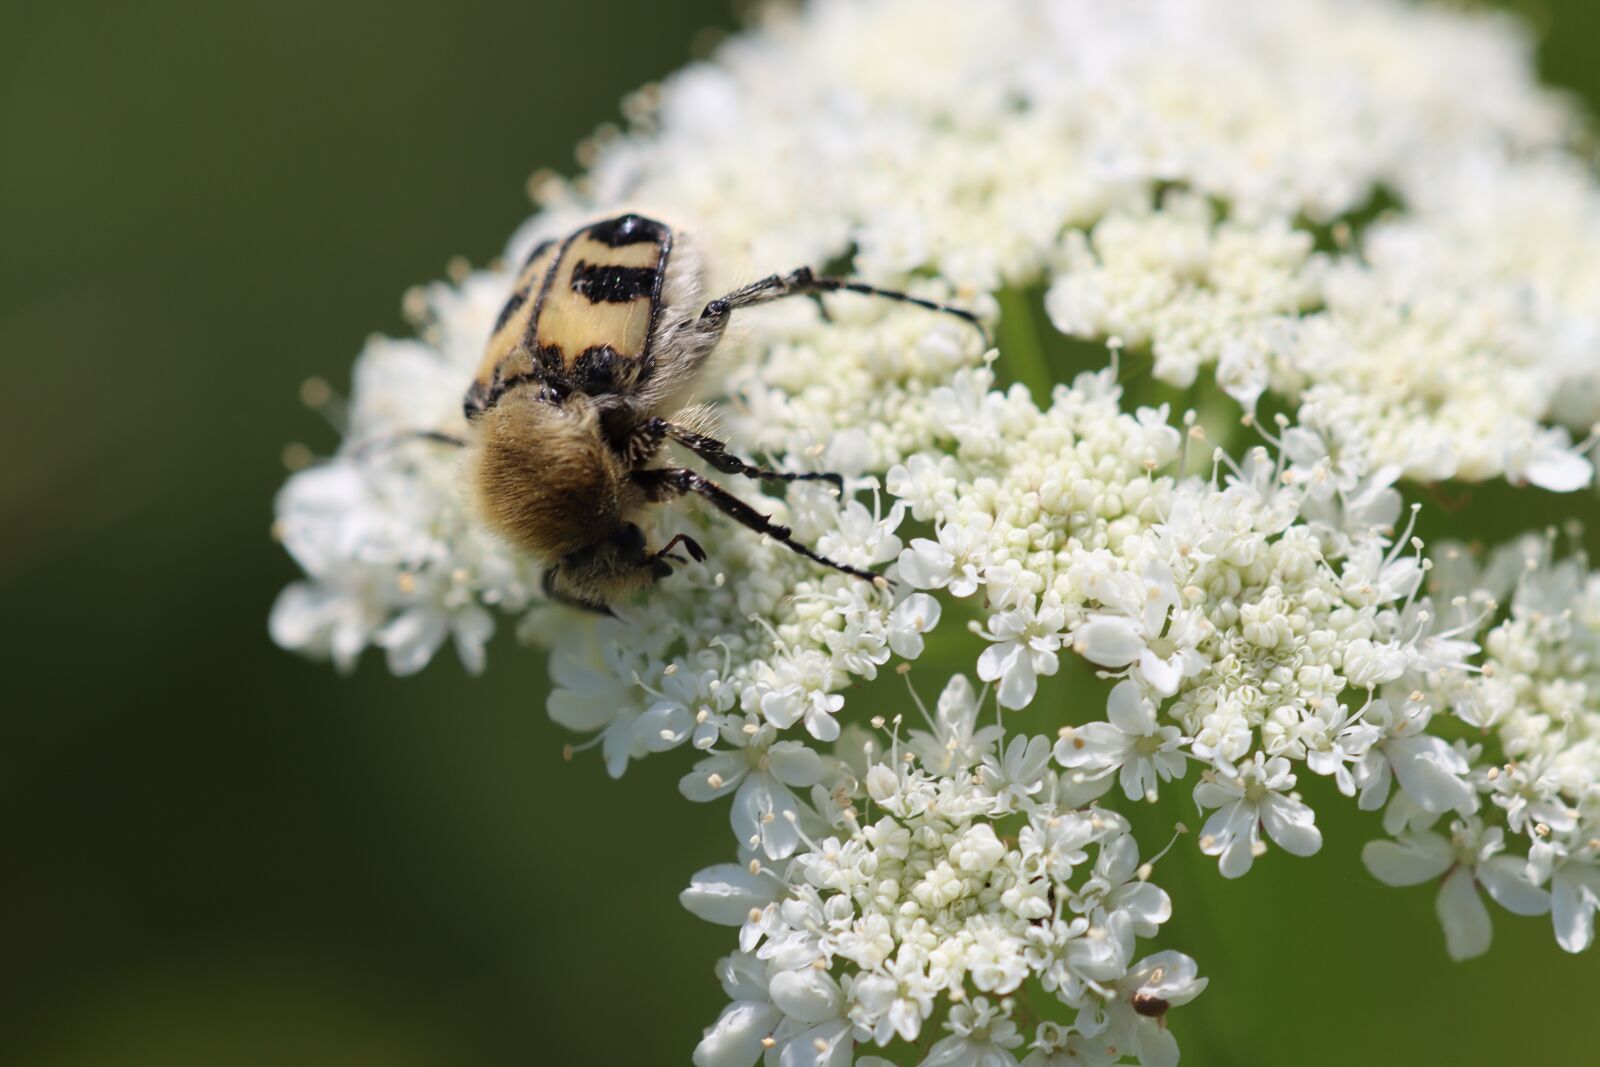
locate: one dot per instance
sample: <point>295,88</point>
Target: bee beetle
<point>601,333</point>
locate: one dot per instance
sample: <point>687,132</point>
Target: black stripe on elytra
<point>553,385</point>
<point>595,370</point>
<point>628,230</point>
<point>538,250</point>
<point>600,283</point>
<point>518,298</point>
<point>550,362</point>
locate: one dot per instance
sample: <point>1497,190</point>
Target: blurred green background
<point>216,853</point>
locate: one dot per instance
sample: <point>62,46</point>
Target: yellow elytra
<point>582,311</point>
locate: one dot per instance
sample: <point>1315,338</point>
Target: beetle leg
<point>716,453</point>
<point>690,545</point>
<point>662,483</point>
<point>804,281</point>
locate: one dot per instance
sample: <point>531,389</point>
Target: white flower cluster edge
<point>1191,182</point>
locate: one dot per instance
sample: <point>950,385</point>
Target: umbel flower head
<point>1352,245</point>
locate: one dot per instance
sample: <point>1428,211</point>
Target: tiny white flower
<point>1550,462</point>
<point>927,484</point>
<point>809,995</point>
<point>1469,858</point>
<point>1160,655</point>
<point>911,619</point>
<point>1574,877</point>
<point>982,1035</point>
<point>1057,1046</point>
<point>895,1000</point>
<point>957,741</point>
<point>1132,741</point>
<point>1027,639</point>
<point>731,894</point>
<point>952,562</point>
<point>764,812</point>
<point>1335,739</point>
<point>1252,799</point>
<point>1114,886</point>
<point>861,537</point>
<point>1148,991</point>
<point>1017,775</point>
<point>1432,773</point>
<point>735,1039</point>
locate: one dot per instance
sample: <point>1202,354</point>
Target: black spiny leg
<point>690,545</point>
<point>803,281</point>
<point>675,481</point>
<point>716,453</point>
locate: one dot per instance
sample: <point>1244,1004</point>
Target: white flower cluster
<point>925,891</point>
<point>1529,833</point>
<point>1362,215</point>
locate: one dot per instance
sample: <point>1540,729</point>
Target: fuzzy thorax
<point>541,476</point>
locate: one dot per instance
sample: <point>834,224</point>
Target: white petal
<point>822,724</point>
<point>926,564</point>
<point>1378,776</point>
<point>1145,902</point>
<point>1096,745</point>
<point>743,977</point>
<point>1018,686</point>
<point>664,726</point>
<point>1411,860</point>
<point>1179,980</point>
<point>916,615</point>
<point>616,746</point>
<point>588,704</point>
<point>802,1050</point>
<point>296,616</point>
<point>1558,469</point>
<point>712,778</point>
<point>1432,772</point>
<point>762,795</point>
<point>997,659</point>
<point>1163,675</point>
<point>1573,905</point>
<point>1129,711</point>
<point>1291,824</point>
<point>1465,919</point>
<point>1157,1046</point>
<point>792,763</point>
<point>410,641</point>
<point>1230,831</point>
<point>808,994</point>
<point>735,1039</point>
<point>725,893</point>
<point>472,628</point>
<point>1215,794</point>
<point>1109,640</point>
<point>1505,878</point>
<point>1138,779</point>
<point>958,1051</point>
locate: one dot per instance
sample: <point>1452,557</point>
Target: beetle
<point>602,332</point>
